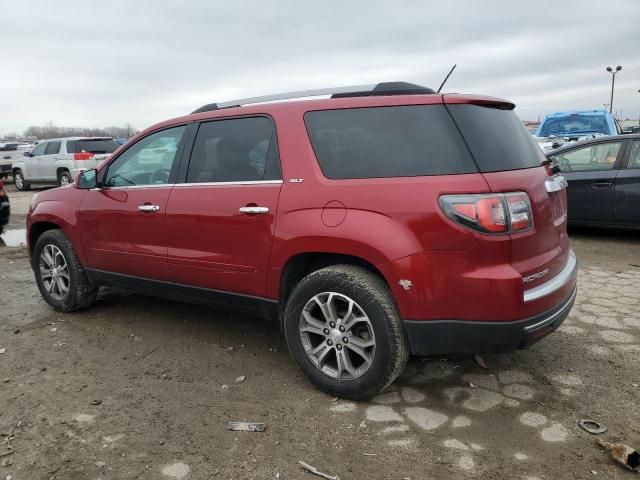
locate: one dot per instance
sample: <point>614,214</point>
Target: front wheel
<point>62,281</point>
<point>20,182</point>
<point>344,331</point>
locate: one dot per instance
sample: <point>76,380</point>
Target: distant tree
<point>49,130</point>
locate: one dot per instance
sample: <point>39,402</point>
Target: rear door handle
<point>601,184</point>
<point>148,208</point>
<point>254,210</point>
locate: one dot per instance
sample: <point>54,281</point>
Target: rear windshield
<point>497,138</point>
<point>107,145</point>
<point>574,124</point>
<point>405,141</point>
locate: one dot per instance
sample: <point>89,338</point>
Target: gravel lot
<point>137,387</point>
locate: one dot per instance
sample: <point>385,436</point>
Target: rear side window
<point>52,148</point>
<point>497,138</point>
<point>405,141</point>
<point>106,145</point>
<point>234,150</point>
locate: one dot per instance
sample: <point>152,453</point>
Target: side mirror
<point>87,179</point>
<point>27,154</point>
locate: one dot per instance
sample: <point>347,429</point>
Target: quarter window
<point>234,150</point>
<point>595,157</point>
<point>147,162</point>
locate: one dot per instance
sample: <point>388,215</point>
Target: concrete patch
<point>466,462</point>
<point>455,444</point>
<point>567,379</point>
<point>412,396</point>
<point>461,421</point>
<point>532,419</point>
<point>343,407</point>
<point>554,433</point>
<point>615,336</point>
<point>85,418</point>
<point>482,400</point>
<point>425,418</point>
<point>387,398</point>
<point>381,413</point>
<point>516,390</point>
<point>176,470</point>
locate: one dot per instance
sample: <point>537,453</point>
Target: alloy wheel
<point>18,181</point>
<point>337,336</point>
<point>54,271</point>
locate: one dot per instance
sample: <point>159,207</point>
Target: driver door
<point>591,172</point>
<point>123,220</point>
<point>32,162</point>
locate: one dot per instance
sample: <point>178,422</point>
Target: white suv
<point>59,160</point>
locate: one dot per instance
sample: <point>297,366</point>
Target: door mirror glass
<point>87,179</point>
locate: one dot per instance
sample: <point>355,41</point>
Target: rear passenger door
<point>591,172</point>
<point>48,161</point>
<point>626,203</point>
<point>221,218</point>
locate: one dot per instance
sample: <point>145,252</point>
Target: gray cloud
<point>94,64</point>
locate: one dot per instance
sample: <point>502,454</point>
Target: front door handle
<point>254,210</point>
<point>602,184</point>
<point>148,208</point>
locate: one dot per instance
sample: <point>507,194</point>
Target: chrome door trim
<point>214,184</point>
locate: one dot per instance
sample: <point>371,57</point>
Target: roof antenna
<point>447,77</point>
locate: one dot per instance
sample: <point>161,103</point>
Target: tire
<point>307,330</point>
<point>53,249</point>
<point>20,182</point>
<point>64,178</point>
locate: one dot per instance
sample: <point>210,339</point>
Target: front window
<point>594,157</point>
<point>147,162</point>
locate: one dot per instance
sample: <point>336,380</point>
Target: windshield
<point>574,124</point>
<point>102,145</point>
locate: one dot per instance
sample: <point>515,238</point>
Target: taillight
<point>490,213</point>
<point>2,192</point>
<point>83,156</point>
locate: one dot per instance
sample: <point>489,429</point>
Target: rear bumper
<point>435,337</point>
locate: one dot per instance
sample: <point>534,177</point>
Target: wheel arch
<point>37,229</point>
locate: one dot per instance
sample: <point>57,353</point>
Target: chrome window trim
<point>555,283</point>
<point>134,187</point>
<point>213,184</point>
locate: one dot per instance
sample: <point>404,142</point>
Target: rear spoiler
<point>480,100</point>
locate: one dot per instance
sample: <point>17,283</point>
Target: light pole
<point>613,82</point>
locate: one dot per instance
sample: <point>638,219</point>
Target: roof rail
<point>385,88</point>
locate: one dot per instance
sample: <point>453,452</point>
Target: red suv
<point>373,224</point>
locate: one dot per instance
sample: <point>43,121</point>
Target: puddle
<point>14,238</point>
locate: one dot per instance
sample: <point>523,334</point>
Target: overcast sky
<point>89,63</point>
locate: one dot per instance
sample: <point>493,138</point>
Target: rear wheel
<point>64,178</point>
<point>345,333</point>
<point>62,281</point>
<point>20,182</point>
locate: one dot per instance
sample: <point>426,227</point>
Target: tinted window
<point>148,161</point>
<point>106,145</point>
<point>634,159</point>
<point>52,148</point>
<point>595,157</point>
<point>497,138</point>
<point>234,150</point>
<point>387,142</point>
<point>39,149</point>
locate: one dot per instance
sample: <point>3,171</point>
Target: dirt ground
<point>141,388</point>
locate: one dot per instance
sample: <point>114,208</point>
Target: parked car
<point>604,180</point>
<point>8,146</point>
<point>377,223</point>
<point>59,160</point>
<point>562,128</point>
<point>5,208</point>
